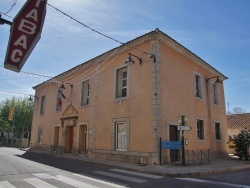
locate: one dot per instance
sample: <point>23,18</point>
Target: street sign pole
<point>182,141</point>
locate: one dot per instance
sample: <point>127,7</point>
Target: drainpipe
<point>210,126</point>
<point>157,143</point>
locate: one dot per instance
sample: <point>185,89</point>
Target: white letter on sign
<point>14,55</point>
<point>29,28</point>
<point>22,41</point>
<point>32,14</point>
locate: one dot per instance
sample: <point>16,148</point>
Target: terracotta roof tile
<point>238,120</point>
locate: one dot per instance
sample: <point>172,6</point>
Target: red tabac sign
<point>25,33</point>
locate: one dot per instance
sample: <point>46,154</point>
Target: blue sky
<point>218,31</point>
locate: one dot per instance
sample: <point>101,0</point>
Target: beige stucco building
<point>235,124</point>
<point>119,111</point>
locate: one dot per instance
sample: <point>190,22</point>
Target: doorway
<point>82,139</point>
<point>174,135</point>
<point>69,139</point>
<point>56,136</point>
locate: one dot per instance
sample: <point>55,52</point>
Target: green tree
<point>22,120</point>
<point>242,142</point>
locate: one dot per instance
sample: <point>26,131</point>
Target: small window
<point>121,82</point>
<point>217,131</point>
<point>85,93</point>
<point>198,87</point>
<point>40,135</point>
<point>215,93</point>
<point>120,136</point>
<point>42,105</point>
<point>200,129</point>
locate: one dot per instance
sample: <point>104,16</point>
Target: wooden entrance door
<point>69,139</point>
<point>174,135</point>
<point>56,136</point>
<point>82,139</point>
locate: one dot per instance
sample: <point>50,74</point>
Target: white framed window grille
<point>121,136</point>
<point>215,94</point>
<point>85,93</point>
<point>200,129</point>
<point>121,83</point>
<point>198,86</point>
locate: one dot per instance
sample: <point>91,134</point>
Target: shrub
<point>242,142</point>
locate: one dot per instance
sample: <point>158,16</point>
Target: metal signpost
<point>183,119</point>
<point>25,33</point>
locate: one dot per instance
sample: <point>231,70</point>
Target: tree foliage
<point>242,142</point>
<point>22,121</point>
<point>239,110</point>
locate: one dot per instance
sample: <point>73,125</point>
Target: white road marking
<point>99,181</point>
<point>73,182</point>
<point>43,175</point>
<point>213,182</point>
<point>136,180</point>
<point>38,183</point>
<point>5,184</point>
<point>137,173</point>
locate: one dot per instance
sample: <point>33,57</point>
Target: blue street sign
<point>171,145</point>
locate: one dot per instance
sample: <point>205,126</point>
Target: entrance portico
<point>68,123</point>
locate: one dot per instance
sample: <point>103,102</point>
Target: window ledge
<point>198,98</point>
<point>85,106</point>
<point>121,150</point>
<point>121,99</point>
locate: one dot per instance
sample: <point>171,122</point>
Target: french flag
<point>60,98</point>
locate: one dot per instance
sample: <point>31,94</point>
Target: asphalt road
<point>27,169</point>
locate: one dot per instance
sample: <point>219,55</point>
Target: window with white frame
<point>121,83</point>
<point>217,131</point>
<point>121,136</point>
<point>200,129</point>
<point>42,105</point>
<point>40,135</point>
<point>85,92</point>
<point>198,86</point>
<point>215,93</point>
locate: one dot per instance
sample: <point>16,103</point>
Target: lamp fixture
<point>130,61</point>
<point>217,79</point>
<point>30,99</point>
<point>63,87</point>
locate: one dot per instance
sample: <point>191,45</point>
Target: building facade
<point>235,124</point>
<point>118,111</point>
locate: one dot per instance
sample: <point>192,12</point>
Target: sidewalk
<point>220,165</point>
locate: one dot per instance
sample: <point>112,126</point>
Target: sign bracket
<point>3,21</point>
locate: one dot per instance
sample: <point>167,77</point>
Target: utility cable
<point>98,32</point>
<point>12,92</point>
<point>34,74</point>
<point>14,3</point>
<point>85,24</point>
